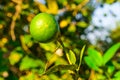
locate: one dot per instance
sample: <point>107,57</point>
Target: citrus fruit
<point>44,27</point>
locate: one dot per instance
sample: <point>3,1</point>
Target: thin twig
<point>80,6</point>
<point>14,18</point>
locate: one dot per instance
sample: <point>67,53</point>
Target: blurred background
<point>94,23</point>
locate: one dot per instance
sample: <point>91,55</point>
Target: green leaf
<point>28,63</point>
<point>110,52</point>
<point>16,55</point>
<point>91,63</point>
<point>61,67</point>
<point>78,1</point>
<point>117,74</point>
<point>71,57</point>
<point>81,55</point>
<point>95,56</point>
<point>1,78</point>
<point>82,24</point>
<point>29,76</point>
<point>110,68</point>
<point>27,39</point>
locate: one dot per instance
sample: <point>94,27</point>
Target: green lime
<point>44,27</point>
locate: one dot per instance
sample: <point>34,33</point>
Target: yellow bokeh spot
<point>42,7</point>
<point>63,23</point>
<point>73,6</point>
<point>9,14</point>
<point>4,40</point>
<point>1,26</point>
<point>15,56</point>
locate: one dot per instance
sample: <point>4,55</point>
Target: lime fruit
<point>44,27</point>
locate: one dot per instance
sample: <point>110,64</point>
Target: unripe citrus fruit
<point>44,27</point>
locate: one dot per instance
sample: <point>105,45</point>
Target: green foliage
<point>30,63</point>
<point>22,58</point>
<point>95,59</point>
<point>91,63</point>
<point>110,52</point>
<point>71,57</point>
<point>117,75</point>
<point>16,55</point>
<point>95,56</point>
<point>81,56</point>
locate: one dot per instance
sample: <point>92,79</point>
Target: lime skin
<point>44,28</point>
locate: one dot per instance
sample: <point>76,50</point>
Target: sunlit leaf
<point>16,55</point>
<point>42,7</point>
<point>29,76</point>
<point>28,63</point>
<point>117,74</point>
<point>71,57</point>
<point>110,1</point>
<point>110,52</point>
<point>48,46</point>
<point>52,6</point>
<point>95,56</point>
<point>1,78</point>
<point>82,24</point>
<point>27,39</point>
<point>72,28</point>
<point>81,55</point>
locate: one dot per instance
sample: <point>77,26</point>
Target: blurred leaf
<point>91,63</point>
<point>95,56</point>
<point>48,46</point>
<point>63,2</point>
<point>81,55</point>
<point>54,77</point>
<point>16,55</point>
<point>100,76</point>
<point>1,78</point>
<point>60,61</point>
<point>78,1</point>
<point>29,76</point>
<point>117,74</point>
<point>72,28</point>
<point>28,63</point>
<point>110,52</point>
<point>116,64</point>
<point>110,68</point>
<point>28,40</point>
<point>53,58</point>
<point>71,57</point>
<point>42,7</point>
<point>115,37</point>
<point>116,78</point>
<point>109,1</point>
<point>82,24</point>
<point>61,67</point>
<point>52,6</point>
